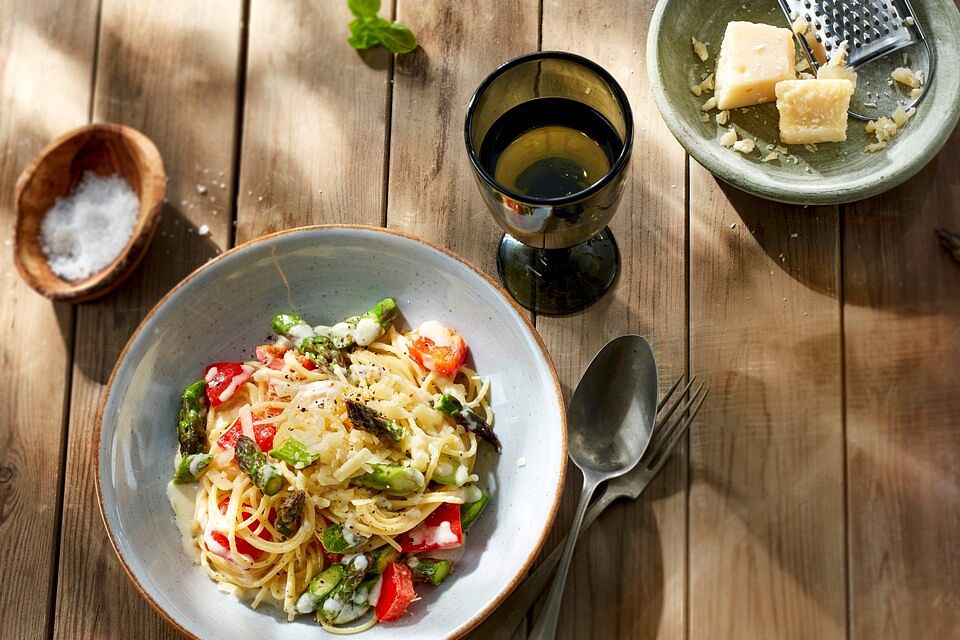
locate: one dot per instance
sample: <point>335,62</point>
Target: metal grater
<point>873,30</point>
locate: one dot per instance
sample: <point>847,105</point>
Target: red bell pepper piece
<point>396,592</point>
<point>262,433</point>
<point>223,379</point>
<point>243,547</point>
<point>440,530</point>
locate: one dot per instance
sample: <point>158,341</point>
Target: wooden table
<point>818,495</point>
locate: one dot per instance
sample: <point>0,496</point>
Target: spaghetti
<point>343,466</point>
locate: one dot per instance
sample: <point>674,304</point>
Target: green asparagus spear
<point>429,569</point>
<point>381,557</point>
<point>374,323</point>
<point>356,570</point>
<point>251,460</point>
<point>321,585</point>
<point>294,453</point>
<point>359,602</point>
<point>467,418</point>
<point>192,420</point>
<point>290,513</point>
<point>336,539</point>
<point>283,322</point>
<point>391,478</point>
<point>450,470</point>
<point>191,467</point>
<point>321,351</point>
<point>366,419</point>
<point>470,511</point>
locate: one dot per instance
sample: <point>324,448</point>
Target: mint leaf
<point>363,33</point>
<point>364,8</point>
<point>395,37</point>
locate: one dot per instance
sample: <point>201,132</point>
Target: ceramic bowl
<point>835,172</point>
<point>222,311</point>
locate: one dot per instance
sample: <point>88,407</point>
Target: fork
<point>503,623</point>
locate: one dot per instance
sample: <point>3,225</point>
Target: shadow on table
<point>884,235</point>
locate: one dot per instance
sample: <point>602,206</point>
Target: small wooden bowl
<point>105,149</point>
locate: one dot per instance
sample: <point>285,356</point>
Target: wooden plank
<point>766,534</point>
<point>902,336</point>
<point>170,70</point>
<point>46,62</point>
<point>431,190</point>
<point>627,580</point>
<point>315,121</point>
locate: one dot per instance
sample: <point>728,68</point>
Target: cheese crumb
<point>704,117</point>
<point>704,86</point>
<point>729,138</point>
<point>800,25</point>
<point>723,117</point>
<point>886,128</point>
<point>744,146</point>
<point>87,229</point>
<point>700,49</point>
<point>837,69</point>
<point>770,157</point>
<point>521,462</point>
<point>803,65</point>
<point>909,21</point>
<point>709,104</point>
<point>806,76</point>
<point>204,230</point>
<point>906,76</point>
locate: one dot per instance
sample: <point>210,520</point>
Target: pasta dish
<point>334,470</point>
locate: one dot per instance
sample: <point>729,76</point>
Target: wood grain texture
<point>168,69</point>
<point>766,496</point>
<point>628,574</point>
<point>431,190</point>
<point>315,121</point>
<point>902,328</point>
<point>46,53</point>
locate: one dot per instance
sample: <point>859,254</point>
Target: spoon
<point>610,421</point>
<point>104,149</point>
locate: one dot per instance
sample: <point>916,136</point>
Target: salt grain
<point>204,230</point>
<point>83,232</point>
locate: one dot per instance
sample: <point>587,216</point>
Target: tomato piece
<point>223,379</point>
<point>440,530</point>
<point>438,348</point>
<point>396,593</point>
<point>243,547</point>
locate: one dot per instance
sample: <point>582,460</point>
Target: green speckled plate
<point>835,172</point>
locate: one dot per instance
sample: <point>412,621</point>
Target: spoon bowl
<point>611,417</point>
<point>104,149</point>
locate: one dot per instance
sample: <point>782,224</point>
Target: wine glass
<point>549,136</point>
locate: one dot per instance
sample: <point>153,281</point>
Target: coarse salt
<point>84,231</point>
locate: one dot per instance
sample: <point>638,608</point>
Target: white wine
<point>550,148</point>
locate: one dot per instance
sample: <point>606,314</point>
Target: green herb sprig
<point>367,29</point>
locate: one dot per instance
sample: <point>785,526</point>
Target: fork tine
<point>663,453</point>
<point>673,407</point>
<point>669,393</point>
<point>666,430</point>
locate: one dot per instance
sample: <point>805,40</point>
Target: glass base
<point>558,281</point>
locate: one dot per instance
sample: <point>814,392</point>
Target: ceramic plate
<point>222,311</point>
<point>835,172</point>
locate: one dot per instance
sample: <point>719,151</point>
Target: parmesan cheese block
<point>753,59</point>
<point>813,111</point>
